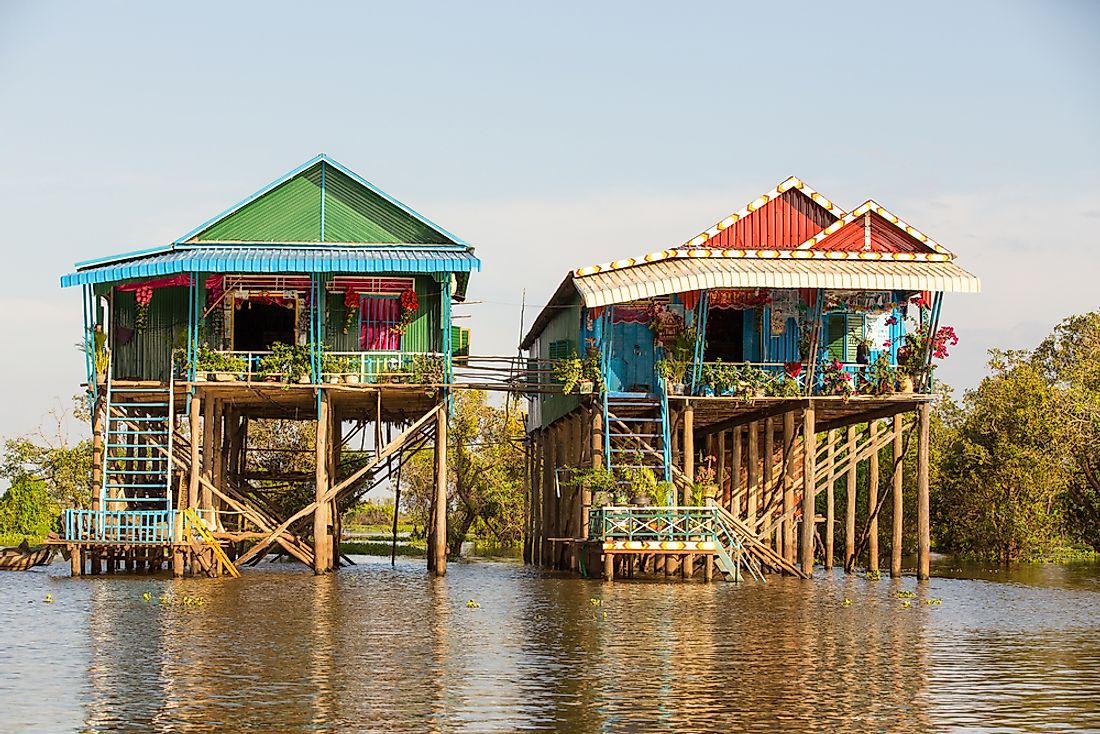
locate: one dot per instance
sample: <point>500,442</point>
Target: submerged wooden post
<point>788,486</point>
<point>809,460</point>
<point>924,530</point>
<point>322,514</point>
<point>723,486</point>
<point>440,538</point>
<point>850,510</point>
<point>830,502</point>
<point>768,478</point>
<point>896,537</point>
<point>872,502</point>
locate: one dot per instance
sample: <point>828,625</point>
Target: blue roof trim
<point>281,260</point>
<point>281,180</point>
<point>123,256</point>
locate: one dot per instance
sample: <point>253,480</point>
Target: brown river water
<point>378,649</point>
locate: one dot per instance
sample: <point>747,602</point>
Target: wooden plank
<point>872,502</point>
<point>440,497</point>
<point>850,498</point>
<point>924,544</point>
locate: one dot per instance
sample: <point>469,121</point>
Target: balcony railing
<point>750,380</point>
<point>370,367</point>
<point>137,527</point>
<point>653,523</point>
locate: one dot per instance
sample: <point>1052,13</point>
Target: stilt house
<point>320,297</point>
<point>724,384</point>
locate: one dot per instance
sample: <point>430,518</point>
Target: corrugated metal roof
<point>258,259</point>
<point>680,275</point>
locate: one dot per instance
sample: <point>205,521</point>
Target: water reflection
<point>380,649</point>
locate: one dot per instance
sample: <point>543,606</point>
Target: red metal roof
<point>871,233</point>
<point>783,223</point>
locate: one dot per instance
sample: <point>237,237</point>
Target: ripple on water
<point>379,649</point>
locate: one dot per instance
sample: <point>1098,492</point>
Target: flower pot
<point>641,500</point>
<point>601,498</point>
<point>305,380</point>
<point>223,377</point>
<point>333,379</point>
<point>584,387</point>
<point>710,492</point>
<point>905,385</point>
<point>676,388</point>
<point>352,379</point>
<point>200,377</point>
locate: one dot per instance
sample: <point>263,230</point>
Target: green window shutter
<point>854,336</point>
<point>560,349</point>
<point>835,333</point>
<point>460,342</point>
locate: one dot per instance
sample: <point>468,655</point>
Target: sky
<point>550,136</point>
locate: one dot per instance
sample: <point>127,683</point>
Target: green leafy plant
<point>290,361</point>
<point>209,360</point>
<point>427,369</point>
<point>836,380</point>
<point>881,376</point>
<point>573,370</point>
<point>783,386</point>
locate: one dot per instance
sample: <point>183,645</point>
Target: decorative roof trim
<point>778,254</point>
<point>873,207</point>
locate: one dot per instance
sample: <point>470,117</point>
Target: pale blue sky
<point>551,137</point>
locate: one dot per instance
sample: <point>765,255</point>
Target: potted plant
<point>751,382</point>
<point>427,369</point>
<point>705,487</point>
<point>643,484</point>
<point>671,370</point>
<point>600,482</point>
<point>836,380</point>
<point>583,375</point>
<point>101,357</point>
<point>882,376</point>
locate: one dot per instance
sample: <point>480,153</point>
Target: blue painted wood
<point>632,358</point>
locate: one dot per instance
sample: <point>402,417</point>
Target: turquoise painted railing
<point>370,367</point>
<point>769,384</point>
<point>137,527</point>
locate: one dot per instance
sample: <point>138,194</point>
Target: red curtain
<point>379,317</point>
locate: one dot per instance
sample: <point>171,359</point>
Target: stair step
<point>137,458</point>
<point>142,485</point>
<point>159,500</point>
<point>140,418</point>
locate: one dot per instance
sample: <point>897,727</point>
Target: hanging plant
<point>144,297</point>
<point>409,307</point>
<point>351,309</point>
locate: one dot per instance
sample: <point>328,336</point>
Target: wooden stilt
<point>872,502</point>
<point>206,499</point>
<point>708,568</point>
<point>689,450</point>
<point>753,503</point>
<point>924,532</point>
<point>440,499</point>
<point>322,513</point>
<point>850,498</point>
<point>896,537</point>
<point>609,566</point>
<point>723,482</point>
<point>830,503</point>
<point>809,452</point>
<point>99,422</point>
<point>735,472</point>
<point>788,487</point>
<point>768,467</point>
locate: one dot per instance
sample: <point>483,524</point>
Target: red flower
<point>793,369</point>
<point>892,320</point>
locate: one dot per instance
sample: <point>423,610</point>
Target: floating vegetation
<point>48,599</point>
<point>596,602</point>
<point>933,601</point>
<point>847,602</point>
<point>472,605</point>
<point>902,594</point>
<point>166,600</point>
<point>907,603</point>
<point>874,575</point>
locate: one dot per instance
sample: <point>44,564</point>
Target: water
<point>375,649</point>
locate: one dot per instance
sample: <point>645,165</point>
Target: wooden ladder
<point>194,521</point>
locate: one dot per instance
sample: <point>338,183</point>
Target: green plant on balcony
<point>600,482</point>
<point>294,363</point>
<point>427,369</point>
<point>582,375</point>
<point>751,382</point>
<point>219,365</point>
<point>881,376</point>
<point>783,386</point>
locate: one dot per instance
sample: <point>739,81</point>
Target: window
<point>378,317</point>
<point>561,349</point>
<point>842,334</point>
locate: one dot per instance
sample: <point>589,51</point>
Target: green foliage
<point>572,370</point>
<point>881,376</point>
<point>66,468</point>
<point>27,512</point>
<point>427,369</point>
<point>209,360</point>
<point>292,362</point>
<point>1001,482</point>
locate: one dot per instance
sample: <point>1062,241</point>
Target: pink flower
<point>892,320</point>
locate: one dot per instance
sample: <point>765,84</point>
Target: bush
<point>26,511</point>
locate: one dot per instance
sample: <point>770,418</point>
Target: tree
<point>47,454</point>
<point>1069,360</point>
<point>485,460</point>
<point>1001,475</point>
<point>26,511</point>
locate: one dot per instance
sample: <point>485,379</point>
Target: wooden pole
<point>872,503</point>
<point>809,455</point>
<point>788,487</point>
<point>924,530</point>
<point>769,460</point>
<point>196,446</point>
<point>896,538</point>
<point>440,537</point>
<point>322,520</point>
<point>99,422</point>
<point>753,503</point>
<point>206,499</point>
<point>689,449</point>
<point>723,486</point>
<point>735,473</point>
<point>830,504</point>
<point>850,496</point>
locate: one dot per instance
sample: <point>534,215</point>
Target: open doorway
<point>256,326</point>
<point>725,335</point>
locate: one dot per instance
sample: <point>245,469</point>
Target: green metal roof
<point>321,202</point>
